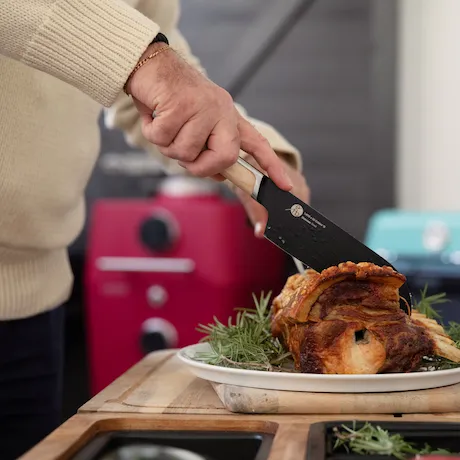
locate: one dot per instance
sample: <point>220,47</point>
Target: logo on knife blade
<point>296,210</point>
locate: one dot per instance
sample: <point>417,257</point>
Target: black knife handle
<point>245,177</point>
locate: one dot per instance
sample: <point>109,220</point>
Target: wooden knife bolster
<point>244,176</point>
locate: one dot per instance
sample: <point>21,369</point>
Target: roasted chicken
<point>347,320</point>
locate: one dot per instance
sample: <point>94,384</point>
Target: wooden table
<point>177,400</point>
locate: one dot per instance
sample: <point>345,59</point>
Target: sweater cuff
<point>91,44</point>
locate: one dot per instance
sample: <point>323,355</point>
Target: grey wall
<point>316,91</point>
<point>328,87</point>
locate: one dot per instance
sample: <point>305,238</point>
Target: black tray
<point>437,435</point>
<point>212,445</point>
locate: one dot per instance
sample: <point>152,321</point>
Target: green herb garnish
<point>436,363</point>
<point>247,344</point>
<point>425,305</point>
<point>374,440</point>
<point>453,331</point>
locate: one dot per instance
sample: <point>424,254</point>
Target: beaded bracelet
<point>141,63</point>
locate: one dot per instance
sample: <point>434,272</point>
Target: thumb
<point>145,114</point>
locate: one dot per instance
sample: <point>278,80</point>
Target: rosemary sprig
<point>426,302</point>
<point>436,363</point>
<point>425,306</point>
<point>374,440</point>
<point>453,332</point>
<point>247,344</point>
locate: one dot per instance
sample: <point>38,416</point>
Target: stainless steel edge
<point>257,174</point>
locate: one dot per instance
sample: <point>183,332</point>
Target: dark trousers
<point>31,366</point>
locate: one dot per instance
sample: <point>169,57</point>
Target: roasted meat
<point>347,320</point>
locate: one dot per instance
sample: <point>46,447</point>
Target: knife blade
<point>301,231</point>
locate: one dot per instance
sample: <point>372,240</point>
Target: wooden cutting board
<point>161,384</point>
<point>252,400</point>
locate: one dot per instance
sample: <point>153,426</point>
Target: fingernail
<point>288,179</point>
<point>258,229</point>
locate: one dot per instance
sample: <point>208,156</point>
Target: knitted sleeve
<point>123,114</point>
<point>91,44</point>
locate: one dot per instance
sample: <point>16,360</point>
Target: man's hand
<point>257,214</point>
<point>196,122</point>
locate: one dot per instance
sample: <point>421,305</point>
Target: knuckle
<point>262,139</point>
<point>162,134</point>
<point>233,156</point>
<point>189,154</point>
<point>178,154</point>
<point>227,162</point>
<point>229,156</point>
<point>147,134</point>
<point>234,141</point>
<point>188,151</point>
<point>225,98</point>
<point>184,106</point>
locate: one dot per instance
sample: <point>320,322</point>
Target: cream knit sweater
<point>61,62</point>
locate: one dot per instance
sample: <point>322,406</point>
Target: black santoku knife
<point>301,231</point>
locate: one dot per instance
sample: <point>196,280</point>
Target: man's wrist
<point>151,53</point>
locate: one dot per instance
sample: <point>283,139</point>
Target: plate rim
<point>181,353</point>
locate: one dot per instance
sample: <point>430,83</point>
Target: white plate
<point>317,383</point>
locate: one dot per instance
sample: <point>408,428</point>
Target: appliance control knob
<point>157,334</point>
<point>158,233</point>
<point>156,296</point>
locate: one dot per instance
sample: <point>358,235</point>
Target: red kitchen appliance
<point>157,267</point>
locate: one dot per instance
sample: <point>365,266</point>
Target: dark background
<point>328,86</point>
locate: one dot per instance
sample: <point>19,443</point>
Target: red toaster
<point>156,268</point>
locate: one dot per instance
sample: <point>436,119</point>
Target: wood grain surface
<point>253,400</point>
<point>161,394</point>
<point>160,384</point>
<point>290,431</point>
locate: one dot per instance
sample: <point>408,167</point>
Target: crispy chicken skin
<point>347,320</point>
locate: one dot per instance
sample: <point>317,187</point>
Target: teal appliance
<point>424,246</point>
